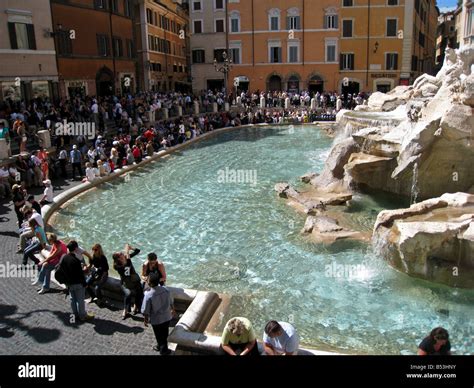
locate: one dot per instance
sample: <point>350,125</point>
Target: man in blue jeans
<point>76,282</point>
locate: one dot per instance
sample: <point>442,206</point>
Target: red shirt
<point>136,152</point>
<point>149,135</point>
<point>58,250</point>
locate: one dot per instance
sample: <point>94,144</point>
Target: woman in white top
<point>48,195</point>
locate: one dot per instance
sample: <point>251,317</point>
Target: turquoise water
<point>241,239</point>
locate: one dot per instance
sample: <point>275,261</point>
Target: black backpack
<point>60,273</point>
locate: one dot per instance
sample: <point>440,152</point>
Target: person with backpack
<point>70,273</point>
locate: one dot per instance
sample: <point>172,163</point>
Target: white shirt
<point>4,173</point>
<point>48,191</point>
<point>91,173</point>
<point>37,217</point>
<point>95,108</point>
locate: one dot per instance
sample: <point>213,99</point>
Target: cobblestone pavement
<point>32,324</point>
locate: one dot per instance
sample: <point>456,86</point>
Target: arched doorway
<point>104,81</point>
<point>293,84</point>
<point>315,84</point>
<point>274,83</point>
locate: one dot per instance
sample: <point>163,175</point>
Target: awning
<point>242,78</point>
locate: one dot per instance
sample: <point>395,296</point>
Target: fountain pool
<point>217,234</point>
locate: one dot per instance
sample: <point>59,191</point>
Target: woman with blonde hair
<point>239,339</point>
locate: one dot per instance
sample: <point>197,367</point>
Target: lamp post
<point>224,67</point>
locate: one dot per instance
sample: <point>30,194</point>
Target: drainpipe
<point>112,46</point>
<point>253,38</point>
<point>368,46</point>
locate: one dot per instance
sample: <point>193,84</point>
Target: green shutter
<point>30,30</point>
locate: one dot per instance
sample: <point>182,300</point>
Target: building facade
<point>163,45</point>
<point>467,19</point>
<point>347,46</point>
<point>208,28</point>
<point>28,58</point>
<point>446,36</point>
<point>95,47</point>
<point>385,43</point>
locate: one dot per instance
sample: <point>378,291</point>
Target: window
<point>331,51</point>
<point>117,46</point>
<point>293,23</point>
<point>391,61</point>
<point>127,8</point>
<point>347,28</point>
<point>219,4</point>
<point>100,4</point>
<point>155,66</point>
<point>274,23</point>
<point>64,43</point>
<point>22,36</point>
<point>219,55</point>
<point>149,16</point>
<point>274,19</point>
<point>421,39</point>
<point>130,49</point>
<point>198,26</point>
<point>346,62</point>
<point>347,3</point>
<point>275,55</point>
<point>175,68</point>
<point>234,22</point>
<point>114,5</point>
<point>391,27</point>
<point>392,2</point>
<point>197,6</point>
<point>330,22</point>
<point>293,54</point>
<point>235,54</point>
<point>199,56</point>
<point>103,45</point>
<point>219,25</point>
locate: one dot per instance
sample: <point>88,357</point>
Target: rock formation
<point>433,239</point>
<point>427,128</point>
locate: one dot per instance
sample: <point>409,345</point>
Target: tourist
<point>98,274</point>
<point>36,165</point>
<point>76,160</point>
<point>5,190</point>
<point>71,268</point>
<point>153,266</point>
<point>92,173</point>
<point>48,195</point>
<point>31,202</point>
<point>18,200</point>
<point>436,343</point>
<point>238,338</point>
<point>157,308</point>
<point>20,130</point>
<point>280,338</point>
<point>36,245</point>
<point>26,233</point>
<point>129,279</point>
<point>77,251</point>
<point>58,250</point>
<point>63,161</point>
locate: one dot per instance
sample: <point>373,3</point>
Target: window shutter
<point>107,46</point>
<point>99,45</point>
<point>11,30</point>
<point>336,21</point>
<point>288,23</point>
<point>395,60</point>
<point>325,22</point>
<point>30,30</point>
<point>351,57</point>
<point>341,61</point>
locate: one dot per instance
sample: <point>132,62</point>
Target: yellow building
<point>342,45</point>
<point>163,45</point>
<point>284,44</point>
